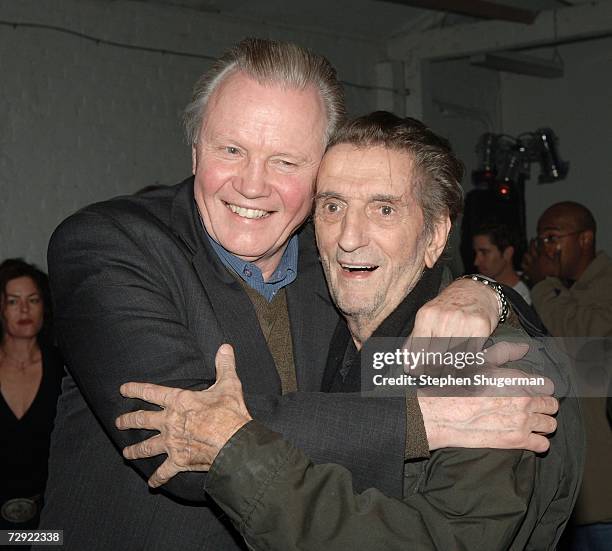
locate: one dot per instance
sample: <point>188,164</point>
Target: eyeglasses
<point>542,242</point>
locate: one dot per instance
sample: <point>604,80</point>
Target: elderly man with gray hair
<point>148,287</point>
<point>387,193</point>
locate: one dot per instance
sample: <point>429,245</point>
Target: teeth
<point>247,213</point>
<point>358,267</point>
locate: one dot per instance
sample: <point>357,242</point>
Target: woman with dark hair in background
<point>31,370</point>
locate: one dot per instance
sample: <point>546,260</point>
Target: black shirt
<point>24,443</point>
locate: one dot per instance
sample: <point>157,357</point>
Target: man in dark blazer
<point>148,287</point>
<point>378,177</point>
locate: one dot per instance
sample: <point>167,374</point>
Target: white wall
<point>81,121</point>
<point>461,103</point>
<point>579,109</point>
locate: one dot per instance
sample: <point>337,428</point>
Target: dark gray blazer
<point>140,296</point>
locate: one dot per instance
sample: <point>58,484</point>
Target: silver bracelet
<point>502,302</point>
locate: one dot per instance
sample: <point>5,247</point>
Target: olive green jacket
<point>457,499</point>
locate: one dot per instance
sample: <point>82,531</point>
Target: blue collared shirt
<point>285,273</point>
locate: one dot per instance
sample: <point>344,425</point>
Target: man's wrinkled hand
<point>519,419</point>
<point>193,425</point>
<point>509,422</point>
<point>466,308</point>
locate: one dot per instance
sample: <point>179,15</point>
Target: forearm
<point>278,499</point>
<point>496,418</point>
<point>358,433</point>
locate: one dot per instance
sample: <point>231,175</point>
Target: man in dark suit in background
<point>148,287</point>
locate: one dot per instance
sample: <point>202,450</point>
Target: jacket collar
<point>184,219</point>
<point>187,226</point>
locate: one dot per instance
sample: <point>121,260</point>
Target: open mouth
<point>359,267</point>
<point>251,214</point>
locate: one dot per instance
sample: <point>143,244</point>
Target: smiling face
<point>369,231</point>
<point>255,164</point>
<point>22,308</point>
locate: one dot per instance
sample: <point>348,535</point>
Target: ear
<point>194,158</point>
<point>437,242</point>
<point>508,253</point>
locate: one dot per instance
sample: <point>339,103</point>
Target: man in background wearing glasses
<point>572,284</point>
<point>572,293</point>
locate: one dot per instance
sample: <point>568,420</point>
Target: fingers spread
<point>147,448</point>
<point>151,420</point>
<point>164,473</point>
<point>154,394</point>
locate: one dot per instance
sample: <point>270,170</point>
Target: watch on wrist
<point>502,302</point>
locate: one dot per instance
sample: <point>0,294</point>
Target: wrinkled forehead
<point>240,100</point>
<point>366,170</point>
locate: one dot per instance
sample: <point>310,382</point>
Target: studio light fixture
<point>504,160</point>
<point>553,168</point>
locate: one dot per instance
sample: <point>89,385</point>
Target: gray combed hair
<point>269,61</point>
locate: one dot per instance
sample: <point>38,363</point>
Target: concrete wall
<point>82,121</point>
<point>461,102</point>
<point>579,109</point>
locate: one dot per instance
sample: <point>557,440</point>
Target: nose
<point>354,232</point>
<point>25,306</point>
<point>251,182</point>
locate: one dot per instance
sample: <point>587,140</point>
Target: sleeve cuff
<point>244,468</point>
